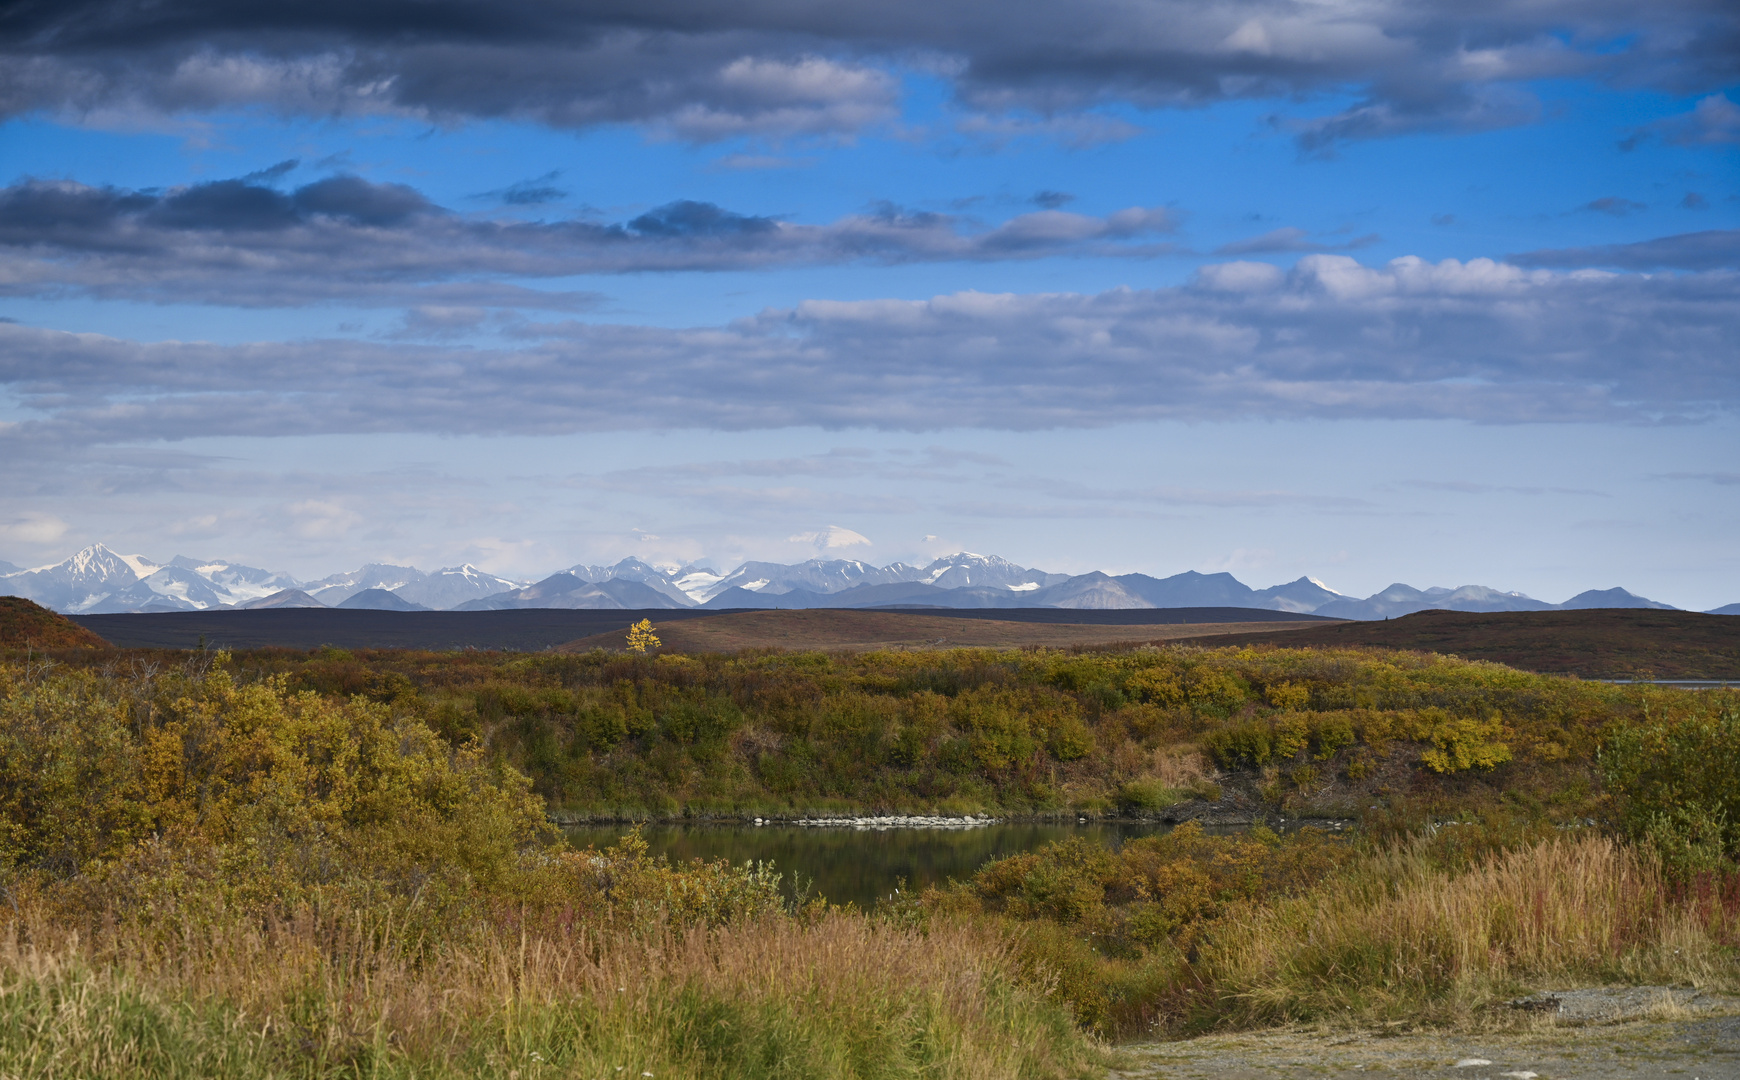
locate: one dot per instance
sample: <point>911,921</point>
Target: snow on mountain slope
<point>566,590</point>
<point>451,586</point>
<point>964,570</point>
<point>81,582</point>
<point>99,579</point>
<point>815,575</point>
<point>242,583</point>
<point>338,588</point>
<point>1307,594</point>
<point>697,582</point>
<point>632,569</point>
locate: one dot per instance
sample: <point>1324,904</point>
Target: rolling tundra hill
<point>24,624</point>
<point>1596,643</point>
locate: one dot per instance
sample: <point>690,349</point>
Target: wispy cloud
<point>1714,249</point>
<point>1726,479</point>
<point>1292,241</point>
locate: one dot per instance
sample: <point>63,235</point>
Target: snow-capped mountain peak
<point>99,580</point>
<point>99,562</point>
<point>965,569</point>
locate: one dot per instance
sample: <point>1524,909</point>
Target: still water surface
<point>860,865</point>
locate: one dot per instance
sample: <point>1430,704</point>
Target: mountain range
<point>98,580</point>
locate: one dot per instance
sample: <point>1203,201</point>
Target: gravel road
<point>1634,1032</point>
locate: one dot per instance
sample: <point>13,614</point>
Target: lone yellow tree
<point>641,637</point>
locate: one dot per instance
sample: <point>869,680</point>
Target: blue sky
<point>1394,292</point>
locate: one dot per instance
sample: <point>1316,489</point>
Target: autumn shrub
<point>614,736</point>
<point>1675,778</point>
<point>1115,930</point>
<point>114,788</point>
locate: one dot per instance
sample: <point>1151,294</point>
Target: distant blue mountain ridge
<point>99,580</point>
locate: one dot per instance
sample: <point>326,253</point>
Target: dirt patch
<point>1602,1034</point>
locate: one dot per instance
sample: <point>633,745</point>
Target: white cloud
<point>33,528</point>
<point>319,519</point>
<point>832,538</point>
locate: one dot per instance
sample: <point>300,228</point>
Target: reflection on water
<point>860,865</point>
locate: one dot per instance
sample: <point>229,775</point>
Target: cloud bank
<point>1333,338</point>
<point>247,243</point>
<point>770,68</point>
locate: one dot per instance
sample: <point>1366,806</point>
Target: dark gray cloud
<point>534,192</point>
<point>346,239</point>
<point>686,218</point>
<point>1714,249</point>
<point>1292,240</point>
<point>1613,206</point>
<point>1713,121</point>
<point>1481,340</point>
<point>774,67</point>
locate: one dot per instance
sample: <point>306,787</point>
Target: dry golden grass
<point>837,996</point>
<point>1402,937</point>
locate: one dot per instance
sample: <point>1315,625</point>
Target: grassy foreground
<point>836,996</point>
<point>226,868</point>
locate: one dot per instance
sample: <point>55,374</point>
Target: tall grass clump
<point>836,996</point>
<point>1192,931</point>
<point>1403,936</point>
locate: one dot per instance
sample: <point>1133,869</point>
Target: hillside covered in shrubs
<point>1319,732</point>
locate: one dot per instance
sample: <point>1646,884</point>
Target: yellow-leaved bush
<point>153,784</point>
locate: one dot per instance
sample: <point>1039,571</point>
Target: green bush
<point>1241,745</point>
<point>1674,775</point>
<point>1465,743</point>
<point>1147,794</point>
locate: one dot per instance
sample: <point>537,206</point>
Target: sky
<point>1374,291</point>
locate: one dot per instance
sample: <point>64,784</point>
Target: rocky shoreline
<point>1215,815</point>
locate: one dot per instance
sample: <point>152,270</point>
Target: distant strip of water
<point>861,866</point>
<point>1682,684</point>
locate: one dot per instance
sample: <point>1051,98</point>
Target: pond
<point>857,864</point>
